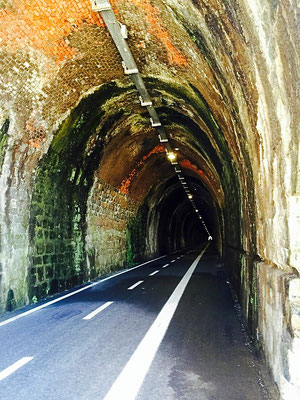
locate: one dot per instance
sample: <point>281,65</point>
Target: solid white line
<point>153,273</point>
<point>135,285</point>
<point>131,378</point>
<point>14,367</point>
<point>166,265</point>
<point>98,310</point>
<point>49,303</point>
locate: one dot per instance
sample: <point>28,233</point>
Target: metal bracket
<point>145,103</point>
<point>128,71</point>
<point>163,140</point>
<point>123,29</point>
<point>101,5</point>
<point>155,124</point>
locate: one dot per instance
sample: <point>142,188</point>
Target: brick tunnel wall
<point>108,219</point>
<point>241,56</point>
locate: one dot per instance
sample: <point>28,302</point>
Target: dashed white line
<point>178,258</point>
<point>98,310</point>
<point>154,272</point>
<point>166,265</point>
<point>135,285</point>
<point>173,261</point>
<point>131,378</point>
<point>14,367</point>
<point>49,303</point>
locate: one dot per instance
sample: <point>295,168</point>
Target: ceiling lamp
<point>171,156</point>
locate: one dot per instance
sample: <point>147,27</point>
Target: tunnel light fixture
<point>176,148</point>
<point>196,210</point>
<point>190,196</point>
<point>171,156</point>
<point>210,238</point>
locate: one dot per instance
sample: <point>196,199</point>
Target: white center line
<point>166,265</point>
<point>131,378</point>
<point>135,285</point>
<point>173,261</point>
<point>14,367</point>
<point>98,310</point>
<point>153,273</point>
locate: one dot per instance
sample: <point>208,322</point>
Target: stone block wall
<point>57,258</point>
<point>278,326</point>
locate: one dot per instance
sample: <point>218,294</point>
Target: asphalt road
<point>151,333</point>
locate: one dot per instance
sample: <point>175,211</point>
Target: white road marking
<point>98,310</point>
<point>166,265</point>
<point>153,273</point>
<point>173,261</point>
<point>14,367</point>
<point>131,378</point>
<point>178,258</point>
<point>49,303</point>
<point>135,285</point>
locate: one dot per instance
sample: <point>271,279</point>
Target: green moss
<point>3,141</point>
<point>63,180</point>
<point>10,301</point>
<point>136,236</point>
<point>84,120</point>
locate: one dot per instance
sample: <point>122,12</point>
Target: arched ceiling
<point>74,96</point>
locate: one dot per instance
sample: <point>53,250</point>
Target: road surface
<point>166,330</point>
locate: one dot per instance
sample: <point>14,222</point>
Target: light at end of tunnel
<point>171,156</point>
<point>190,196</point>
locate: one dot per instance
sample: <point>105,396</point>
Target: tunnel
<point>87,184</point>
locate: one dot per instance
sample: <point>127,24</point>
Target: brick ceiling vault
<point>64,52</point>
<point>196,62</point>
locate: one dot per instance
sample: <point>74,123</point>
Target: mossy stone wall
<point>57,229</point>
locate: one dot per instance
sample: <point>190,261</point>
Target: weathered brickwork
<point>109,213</point>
